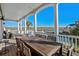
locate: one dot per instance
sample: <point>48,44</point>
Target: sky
<point>68,13</point>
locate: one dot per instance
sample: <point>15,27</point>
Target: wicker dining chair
<point>19,47</point>
<point>70,50</point>
<point>26,50</point>
<point>67,51</point>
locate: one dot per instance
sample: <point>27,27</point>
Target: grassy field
<point>39,28</point>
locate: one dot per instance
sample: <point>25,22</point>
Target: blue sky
<point>68,13</point>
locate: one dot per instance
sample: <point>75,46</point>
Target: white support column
<point>1,30</point>
<point>19,27</point>
<point>35,22</point>
<point>25,26</point>
<point>56,22</point>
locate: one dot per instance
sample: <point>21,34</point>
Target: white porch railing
<point>69,40</point>
<point>64,39</point>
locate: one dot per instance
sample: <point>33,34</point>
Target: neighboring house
<point>70,26</point>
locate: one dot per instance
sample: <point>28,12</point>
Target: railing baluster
<point>69,40</point>
<point>66,40</point>
<point>60,39</point>
<point>72,41</point>
<point>63,39</point>
<point>75,43</point>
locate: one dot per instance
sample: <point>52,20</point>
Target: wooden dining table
<point>42,47</point>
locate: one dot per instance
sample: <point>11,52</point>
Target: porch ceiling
<point>15,11</point>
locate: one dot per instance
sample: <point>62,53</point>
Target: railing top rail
<point>72,36</point>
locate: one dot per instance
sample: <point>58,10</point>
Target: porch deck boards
<point>11,51</point>
<point>10,48</point>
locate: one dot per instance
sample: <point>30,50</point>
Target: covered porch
<point>18,12</point>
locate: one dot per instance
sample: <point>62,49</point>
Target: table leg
<point>60,51</point>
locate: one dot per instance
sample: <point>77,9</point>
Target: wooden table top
<point>41,46</point>
<point>45,49</point>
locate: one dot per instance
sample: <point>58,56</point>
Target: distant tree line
<point>75,31</point>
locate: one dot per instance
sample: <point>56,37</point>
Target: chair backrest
<point>70,50</point>
<point>26,50</point>
<point>19,46</point>
<point>18,42</point>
